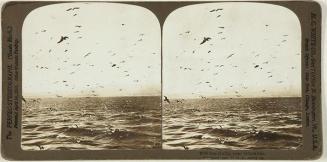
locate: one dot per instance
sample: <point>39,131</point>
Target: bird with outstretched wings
<point>62,39</point>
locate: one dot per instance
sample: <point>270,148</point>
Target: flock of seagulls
<point>206,41</point>
<point>208,65</point>
<point>63,43</point>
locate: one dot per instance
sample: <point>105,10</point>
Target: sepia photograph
<point>162,80</point>
<point>232,77</point>
<point>91,78</point>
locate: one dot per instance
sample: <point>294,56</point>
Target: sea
<point>102,123</point>
<point>232,123</point>
<point>91,123</point>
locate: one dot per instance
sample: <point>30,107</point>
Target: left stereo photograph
<point>91,78</point>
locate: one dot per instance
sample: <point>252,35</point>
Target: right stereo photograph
<point>231,77</point>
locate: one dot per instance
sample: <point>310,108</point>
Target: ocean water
<point>92,123</point>
<point>233,124</point>
<point>99,123</point>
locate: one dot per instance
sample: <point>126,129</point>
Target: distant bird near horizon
<point>23,99</point>
<point>166,99</point>
<point>203,97</point>
<point>185,147</point>
<point>40,147</point>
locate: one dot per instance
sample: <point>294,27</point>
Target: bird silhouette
<point>215,10</point>
<point>205,39</point>
<point>185,147</point>
<point>166,99</point>
<point>230,56</point>
<point>179,101</point>
<point>62,39</point>
<point>40,147</point>
<point>87,54</point>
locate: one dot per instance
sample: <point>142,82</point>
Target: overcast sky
<point>111,50</point>
<point>232,50</point>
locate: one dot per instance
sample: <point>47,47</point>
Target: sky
<point>237,50</point>
<point>111,50</point>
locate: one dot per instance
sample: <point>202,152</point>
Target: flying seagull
<point>205,39</point>
<point>87,54</point>
<point>23,99</point>
<point>218,9</point>
<point>166,99</point>
<point>230,55</point>
<point>62,39</point>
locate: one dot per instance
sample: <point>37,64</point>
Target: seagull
<point>40,147</point>
<point>203,97</point>
<point>179,101</point>
<point>205,39</point>
<point>185,147</point>
<point>23,99</point>
<point>230,55</point>
<point>214,10</point>
<point>87,54</point>
<point>62,39</point>
<point>166,99</point>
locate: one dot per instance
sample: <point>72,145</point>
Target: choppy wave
<point>91,123</point>
<point>238,124</point>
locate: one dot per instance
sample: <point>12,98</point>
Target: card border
<point>309,14</point>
